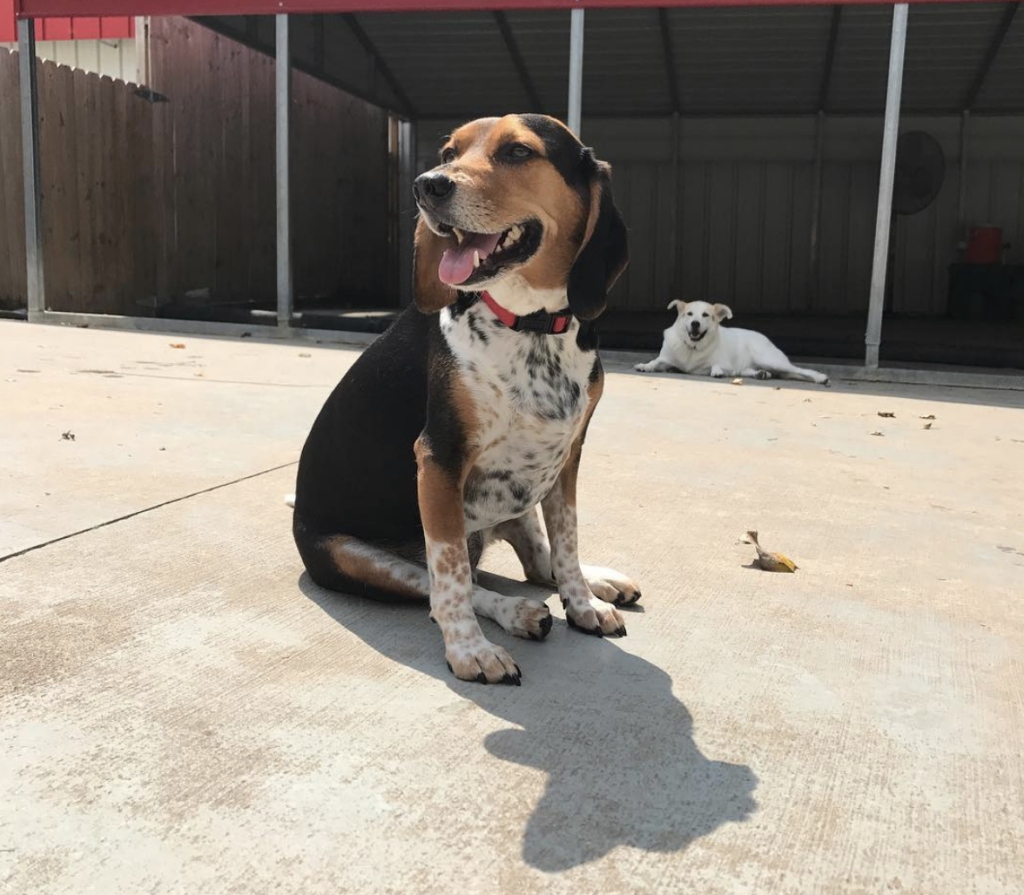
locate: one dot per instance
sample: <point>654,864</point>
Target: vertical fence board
<point>13,273</point>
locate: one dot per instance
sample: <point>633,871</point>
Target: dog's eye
<point>448,155</point>
<point>518,152</point>
<point>705,314</point>
<point>689,313</point>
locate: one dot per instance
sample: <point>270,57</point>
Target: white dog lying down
<point>697,343</point>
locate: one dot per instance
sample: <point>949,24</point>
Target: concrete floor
<point>181,711</point>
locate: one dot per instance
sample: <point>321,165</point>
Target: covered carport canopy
<point>647,62</point>
<point>448,59</point>
<point>442,59</point>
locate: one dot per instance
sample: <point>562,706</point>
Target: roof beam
<point>990,56</point>
<point>830,57</point>
<point>249,37</point>
<point>319,28</point>
<point>62,8</point>
<point>517,60</point>
<point>382,66</point>
<point>670,60</point>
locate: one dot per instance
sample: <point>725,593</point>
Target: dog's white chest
<point>690,358</point>
<point>531,395</point>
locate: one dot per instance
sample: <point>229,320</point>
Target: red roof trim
<point>64,28</point>
<point>37,8</point>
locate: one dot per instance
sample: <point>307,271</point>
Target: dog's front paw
<point>644,368</point>
<point>717,372</point>
<point>611,586</point>
<point>602,621</point>
<point>763,374</point>
<point>482,661</point>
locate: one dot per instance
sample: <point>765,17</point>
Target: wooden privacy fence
<point>12,205</point>
<point>148,195</point>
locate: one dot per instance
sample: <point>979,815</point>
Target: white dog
<point>698,343</point>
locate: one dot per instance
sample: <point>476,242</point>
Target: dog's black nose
<point>432,186</point>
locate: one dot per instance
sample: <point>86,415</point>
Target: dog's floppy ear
<point>680,306</point>
<point>428,291</point>
<point>722,312</point>
<point>605,251</point>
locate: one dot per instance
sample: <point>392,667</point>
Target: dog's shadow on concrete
<point>616,744</point>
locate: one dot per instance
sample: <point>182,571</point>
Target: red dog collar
<point>538,322</point>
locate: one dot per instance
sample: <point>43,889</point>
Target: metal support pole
<point>30,167</point>
<point>283,77</point>
<point>873,338</point>
<point>961,197</point>
<point>575,70</point>
<point>819,167</point>
<point>406,208</point>
<point>673,239</point>
<point>142,56</point>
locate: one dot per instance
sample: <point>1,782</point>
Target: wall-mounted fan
<point>920,170</point>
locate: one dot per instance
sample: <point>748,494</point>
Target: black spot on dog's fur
<point>463,303</point>
<point>576,164</point>
<point>520,493</point>
<point>476,330</point>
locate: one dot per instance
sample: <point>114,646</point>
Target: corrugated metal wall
<point>738,228</point>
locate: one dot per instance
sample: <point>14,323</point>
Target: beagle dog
<point>471,410</point>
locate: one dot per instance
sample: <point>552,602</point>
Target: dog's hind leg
<point>768,356</point>
<point>531,545</point>
<point>791,371</point>
<point>350,565</point>
<point>611,586</point>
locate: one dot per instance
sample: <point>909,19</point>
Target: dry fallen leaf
<point>888,414</point>
<point>927,425</point>
<point>304,354</point>
<point>738,381</point>
<point>177,344</point>
<point>930,416</point>
<point>879,434</point>
<point>770,562</point>
<point>68,436</point>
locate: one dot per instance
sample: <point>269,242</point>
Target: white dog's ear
<point>680,306</point>
<point>722,312</point>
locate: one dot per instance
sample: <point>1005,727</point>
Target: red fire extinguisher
<point>984,245</point>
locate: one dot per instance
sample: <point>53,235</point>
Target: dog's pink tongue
<point>457,264</point>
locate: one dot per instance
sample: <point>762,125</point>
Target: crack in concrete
<point>149,509</point>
